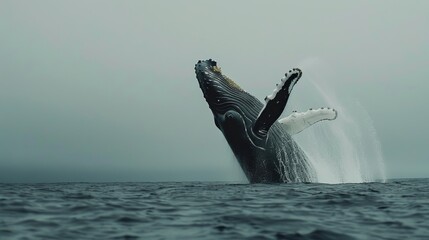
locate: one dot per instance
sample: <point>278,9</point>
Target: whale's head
<point>220,92</point>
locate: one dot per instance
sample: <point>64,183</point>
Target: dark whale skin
<point>266,154</point>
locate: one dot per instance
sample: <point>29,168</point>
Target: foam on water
<point>346,150</point>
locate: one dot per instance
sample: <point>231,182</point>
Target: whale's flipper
<point>296,122</point>
<point>276,102</point>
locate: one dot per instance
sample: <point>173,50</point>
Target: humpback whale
<point>261,143</point>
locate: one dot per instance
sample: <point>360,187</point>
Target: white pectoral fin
<point>297,122</point>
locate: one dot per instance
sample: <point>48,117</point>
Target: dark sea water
<point>398,209</point>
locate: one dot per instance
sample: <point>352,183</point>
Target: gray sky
<point>105,90</point>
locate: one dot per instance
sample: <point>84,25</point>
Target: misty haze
<point>97,94</point>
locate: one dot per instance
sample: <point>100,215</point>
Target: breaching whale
<point>261,143</point>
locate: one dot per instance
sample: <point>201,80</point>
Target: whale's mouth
<point>220,92</point>
<point>204,71</point>
<point>211,79</point>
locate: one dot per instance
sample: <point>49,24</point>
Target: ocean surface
<point>398,209</point>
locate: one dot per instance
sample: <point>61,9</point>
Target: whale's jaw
<point>219,91</point>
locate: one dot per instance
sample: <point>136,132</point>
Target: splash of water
<point>346,150</point>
